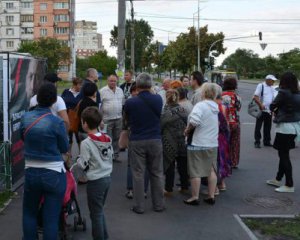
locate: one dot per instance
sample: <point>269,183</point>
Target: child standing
<point>95,158</point>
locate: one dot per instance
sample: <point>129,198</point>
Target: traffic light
<point>260,36</point>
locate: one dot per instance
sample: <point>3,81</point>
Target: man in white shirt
<point>264,96</point>
<point>59,107</point>
<point>112,99</point>
<point>165,87</point>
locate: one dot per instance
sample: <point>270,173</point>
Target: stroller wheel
<point>83,224</point>
<point>75,223</point>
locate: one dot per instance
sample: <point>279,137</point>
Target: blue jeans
<point>41,182</point>
<point>96,194</point>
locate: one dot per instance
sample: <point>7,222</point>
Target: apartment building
<point>87,40</point>
<point>23,20</point>
<point>10,25</point>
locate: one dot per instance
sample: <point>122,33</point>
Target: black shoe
<point>159,209</point>
<point>268,145</point>
<point>193,203</point>
<point>136,211</point>
<point>210,201</point>
<point>257,145</point>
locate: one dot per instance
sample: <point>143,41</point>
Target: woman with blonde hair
<point>173,123</point>
<point>203,149</point>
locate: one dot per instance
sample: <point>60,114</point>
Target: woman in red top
<point>232,102</point>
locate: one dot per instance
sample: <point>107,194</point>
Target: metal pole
<point>132,40</point>
<point>121,35</point>
<point>198,35</point>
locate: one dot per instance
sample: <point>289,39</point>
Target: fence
<point>5,167</point>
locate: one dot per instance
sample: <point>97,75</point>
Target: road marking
<point>245,227</point>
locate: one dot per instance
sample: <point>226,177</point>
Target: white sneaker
<point>285,189</point>
<point>273,182</point>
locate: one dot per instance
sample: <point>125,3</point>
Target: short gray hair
<point>144,81</point>
<point>90,72</point>
<point>210,91</point>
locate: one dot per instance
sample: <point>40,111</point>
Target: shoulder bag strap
<point>35,122</point>
<point>147,103</point>
<point>262,90</point>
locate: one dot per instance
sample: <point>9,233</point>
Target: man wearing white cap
<point>264,96</point>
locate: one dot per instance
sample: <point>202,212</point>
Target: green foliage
<point>143,38</point>
<point>279,228</point>
<point>100,61</point>
<point>54,50</point>
<point>4,197</point>
<point>182,54</point>
<point>249,65</point>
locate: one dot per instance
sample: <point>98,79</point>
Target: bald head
<point>92,74</point>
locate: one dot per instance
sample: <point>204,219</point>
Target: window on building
<point>61,5</point>
<point>9,44</point>
<point>9,19</point>
<point>9,5</point>
<point>64,42</point>
<point>43,19</point>
<point>43,6</point>
<point>61,18</point>
<point>27,30</point>
<point>26,18</point>
<point>26,4</point>
<point>9,31</point>
<point>43,32</point>
<point>61,30</point>
<point>63,68</point>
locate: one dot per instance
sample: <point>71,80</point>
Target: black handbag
<point>189,137</point>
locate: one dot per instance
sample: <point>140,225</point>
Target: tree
<point>143,38</point>
<point>290,61</point>
<point>182,54</point>
<point>100,61</point>
<point>54,50</point>
<point>245,62</point>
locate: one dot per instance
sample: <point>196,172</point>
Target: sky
<point>278,20</point>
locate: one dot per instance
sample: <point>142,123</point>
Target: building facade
<point>87,40</point>
<point>23,20</point>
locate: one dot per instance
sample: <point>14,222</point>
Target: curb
<point>248,230</point>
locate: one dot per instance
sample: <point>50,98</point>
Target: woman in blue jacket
<point>45,139</point>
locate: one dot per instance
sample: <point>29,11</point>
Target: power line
<point>290,43</point>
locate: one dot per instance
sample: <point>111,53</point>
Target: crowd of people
<point>188,124</point>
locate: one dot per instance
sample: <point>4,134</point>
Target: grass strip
<point>4,197</point>
<point>281,228</point>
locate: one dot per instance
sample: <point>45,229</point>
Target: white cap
<point>271,77</point>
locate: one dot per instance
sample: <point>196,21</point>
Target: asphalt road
<point>246,193</point>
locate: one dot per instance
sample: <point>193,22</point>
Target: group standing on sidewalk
<point>191,125</point>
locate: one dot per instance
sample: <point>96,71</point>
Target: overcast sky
<point>279,20</point>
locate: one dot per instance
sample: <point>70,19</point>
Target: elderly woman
<point>286,107</point>
<point>173,123</point>
<point>45,139</point>
<point>232,102</point>
<point>202,152</point>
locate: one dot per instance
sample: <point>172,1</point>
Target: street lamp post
<point>198,68</point>
<point>224,39</point>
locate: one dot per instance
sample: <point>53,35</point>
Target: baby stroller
<point>70,206</point>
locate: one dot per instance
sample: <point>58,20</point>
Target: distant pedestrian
<point>92,77</point>
<point>59,107</point>
<point>112,98</point>
<point>186,84</point>
<point>164,88</point>
<point>196,83</point>
<point>45,140</point>
<point>263,96</point>
<point>96,160</point>
<point>286,108</point>
<point>89,91</point>
<point>233,103</point>
<point>202,152</point>
<point>173,124</point>
<point>71,96</point>
<point>127,84</point>
<point>145,146</point>
<point>183,101</point>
